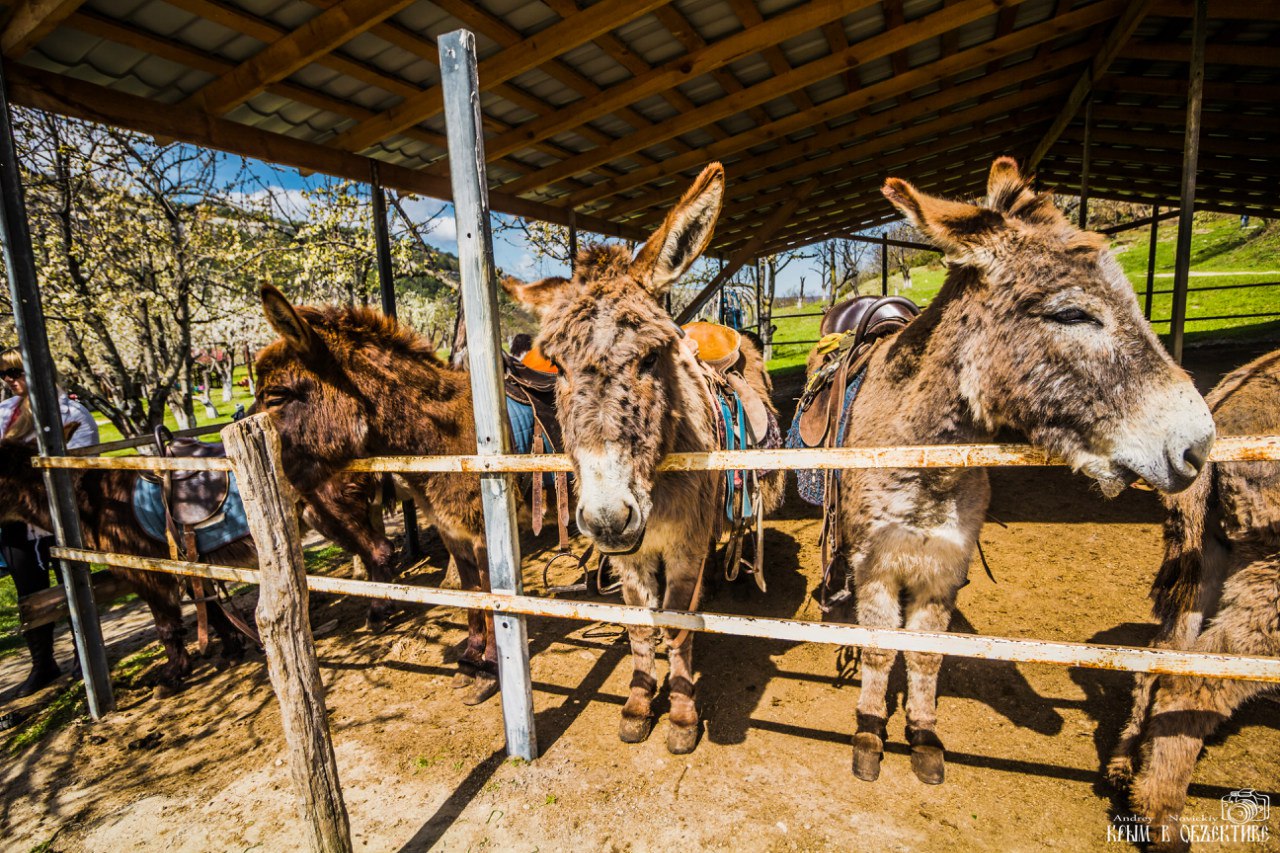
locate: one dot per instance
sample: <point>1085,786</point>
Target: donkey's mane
<point>599,260</point>
<point>359,326</point>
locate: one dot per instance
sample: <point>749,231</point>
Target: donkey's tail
<point>1177,583</point>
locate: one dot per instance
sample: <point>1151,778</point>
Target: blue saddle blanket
<point>520,416</point>
<point>228,525</point>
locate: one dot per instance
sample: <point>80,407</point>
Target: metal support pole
<point>573,243</point>
<point>883,263</point>
<point>42,382</point>
<point>387,289</point>
<point>484,351</point>
<point>1190,157</point>
<point>1084,165</point>
<point>1151,258</point>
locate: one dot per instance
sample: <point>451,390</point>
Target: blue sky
<point>511,253</point>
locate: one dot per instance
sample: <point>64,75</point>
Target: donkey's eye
<point>272,397</point>
<point>1073,317</point>
<point>649,362</point>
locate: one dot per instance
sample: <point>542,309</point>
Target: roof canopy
<point>600,112</point>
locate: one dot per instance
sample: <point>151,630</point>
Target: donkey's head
<point>332,378</point>
<point>620,363</point>
<point>1047,338</point>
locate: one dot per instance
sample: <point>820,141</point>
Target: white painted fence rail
<point>1125,658</point>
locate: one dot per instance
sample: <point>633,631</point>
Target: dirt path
<point>772,771</point>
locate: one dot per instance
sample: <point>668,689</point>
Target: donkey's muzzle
<point>616,528</point>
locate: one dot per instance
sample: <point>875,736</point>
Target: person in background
<point>520,345</point>
<point>25,549</point>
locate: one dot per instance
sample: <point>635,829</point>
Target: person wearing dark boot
<point>25,549</point>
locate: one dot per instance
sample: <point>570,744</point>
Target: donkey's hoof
<point>163,690</point>
<point>483,688</point>
<point>868,750</point>
<point>681,739</point>
<point>1120,771</point>
<point>635,729</point>
<point>462,679</point>
<point>927,755</point>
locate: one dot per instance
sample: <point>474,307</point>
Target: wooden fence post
<point>253,445</point>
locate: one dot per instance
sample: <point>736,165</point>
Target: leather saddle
<point>193,497</point>
<point>720,348</point>
<point>848,330</point>
<point>532,380</point>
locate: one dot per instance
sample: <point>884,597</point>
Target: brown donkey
<point>631,392</point>
<point>1036,330</point>
<point>105,501</point>
<point>1218,590</point>
<point>344,382</point>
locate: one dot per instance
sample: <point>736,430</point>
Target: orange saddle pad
<point>535,360</point>
<point>717,345</point>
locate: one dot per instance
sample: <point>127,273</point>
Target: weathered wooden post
<point>1151,259</point>
<point>484,354</point>
<point>253,445</point>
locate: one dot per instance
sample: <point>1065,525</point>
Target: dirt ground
<point>205,770</point>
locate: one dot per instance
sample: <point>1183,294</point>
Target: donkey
<point>104,499</point>
<point>1036,330</point>
<point>631,391</point>
<point>343,382</point>
<point>1218,590</point>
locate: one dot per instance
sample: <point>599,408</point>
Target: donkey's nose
<point>614,526</point>
<point>1186,460</point>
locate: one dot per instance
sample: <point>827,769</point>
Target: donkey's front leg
<point>926,613</point>
<point>640,589</point>
<point>877,608</point>
<point>682,570</point>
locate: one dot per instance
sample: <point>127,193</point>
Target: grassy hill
<point>1223,255</point>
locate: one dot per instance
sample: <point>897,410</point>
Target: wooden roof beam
<point>1252,10</point>
<point>684,32</point>
<point>869,49</point>
<point>1219,53</point>
<point>1214,90</point>
<point>76,98</point>
<point>328,30</point>
<point>876,93</point>
<point>1128,21</point>
<point>30,21</point>
<point>668,75</point>
<point>750,16</point>
<point>866,128</point>
<point>534,51</point>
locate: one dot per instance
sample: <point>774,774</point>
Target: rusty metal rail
<point>1124,658</point>
<point>1248,448</point>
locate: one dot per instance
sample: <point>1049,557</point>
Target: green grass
<point>108,432</point>
<point>10,639</point>
<point>70,704</point>
<point>1218,245</point>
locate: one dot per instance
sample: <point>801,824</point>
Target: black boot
<point>44,668</point>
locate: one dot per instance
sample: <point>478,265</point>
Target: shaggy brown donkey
<point>344,382</point>
<point>1217,591</point>
<point>630,393</point>
<point>1037,330</point>
<point>105,502</point>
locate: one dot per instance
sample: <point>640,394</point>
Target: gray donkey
<point>1037,330</point>
<point>1218,590</point>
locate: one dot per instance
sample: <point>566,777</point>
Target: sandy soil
<point>205,770</point>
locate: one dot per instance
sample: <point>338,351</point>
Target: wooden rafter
<point>76,98</point>
<point>30,21</point>
<point>870,129</point>
<point>667,76</point>
<point>1123,29</point>
<point>859,100</point>
<point>320,35</point>
<point>511,62</point>
<point>864,51</point>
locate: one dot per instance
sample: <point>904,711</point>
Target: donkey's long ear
<point>684,234</point>
<point>536,296</point>
<point>960,230</point>
<point>284,318</point>
<point>1009,192</point>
